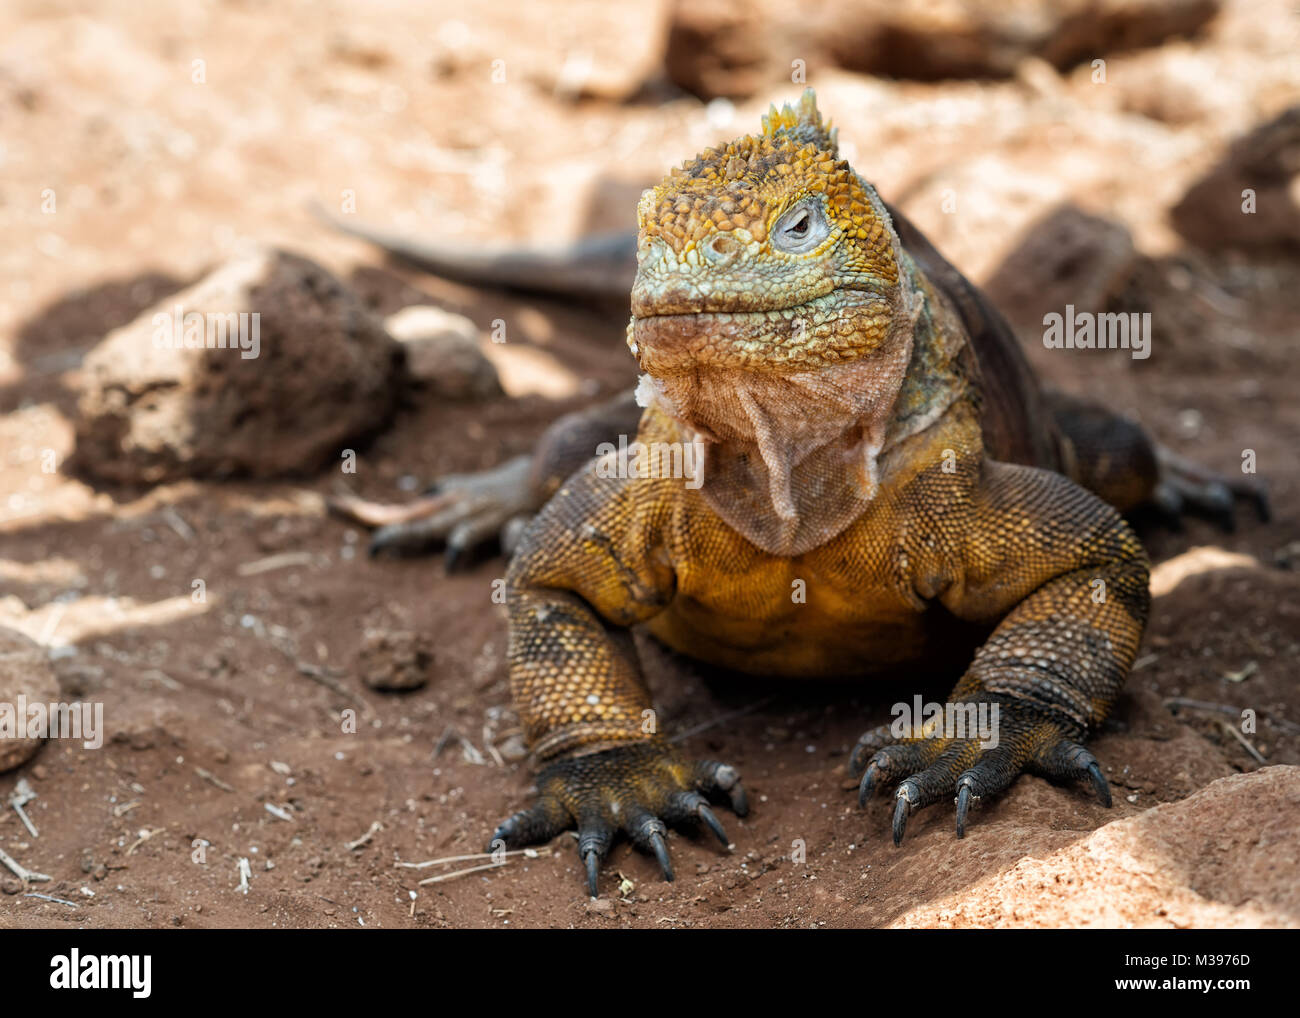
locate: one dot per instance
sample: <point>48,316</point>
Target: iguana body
<point>881,477</point>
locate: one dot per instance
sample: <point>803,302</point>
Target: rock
<point>313,372</point>
<point>513,748</point>
<point>25,671</point>
<point>1067,257</point>
<point>734,47</point>
<point>1266,162</point>
<point>442,352</point>
<point>632,45</point>
<point>1078,31</point>
<point>1169,85</point>
<point>1224,857</point>
<point>997,199</point>
<point>395,660</point>
<point>717,48</point>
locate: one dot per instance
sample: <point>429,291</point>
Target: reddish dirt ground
<point>218,687</point>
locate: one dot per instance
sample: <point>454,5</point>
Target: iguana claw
<point>902,809</point>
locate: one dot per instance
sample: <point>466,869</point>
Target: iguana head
<point>768,254</point>
<point>773,315</point>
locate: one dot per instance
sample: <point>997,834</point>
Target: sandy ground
<point>156,177</point>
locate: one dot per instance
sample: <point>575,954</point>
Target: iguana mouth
<point>837,328</point>
<point>677,306</point>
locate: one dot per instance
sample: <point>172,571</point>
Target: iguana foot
<point>929,769</point>
<point>460,511</point>
<point>640,790</point>
<point>1186,487</point>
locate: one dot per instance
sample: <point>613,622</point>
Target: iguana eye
<point>801,229</point>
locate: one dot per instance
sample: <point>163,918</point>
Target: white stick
<point>25,875</point>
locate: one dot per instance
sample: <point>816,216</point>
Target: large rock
<point>395,661</point>
<point>1266,162</point>
<point>718,48</point>
<point>734,47</point>
<point>1067,257</point>
<point>25,670</point>
<point>313,372</point>
<point>1225,857</point>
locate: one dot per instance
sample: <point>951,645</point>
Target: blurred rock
<point>1169,85</point>
<point>25,671</point>
<point>1067,257</point>
<point>733,47</point>
<point>717,47</point>
<point>628,57</point>
<point>1266,161</point>
<point>305,371</point>
<point>442,352</point>
<point>1077,31</point>
<point>395,660</point>
<point>1224,857</point>
<point>996,198</point>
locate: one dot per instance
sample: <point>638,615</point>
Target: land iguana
<point>870,436</point>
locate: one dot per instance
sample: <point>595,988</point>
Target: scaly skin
<point>832,387</point>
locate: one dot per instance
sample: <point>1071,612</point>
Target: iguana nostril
<point>652,250</point>
<point>720,248</point>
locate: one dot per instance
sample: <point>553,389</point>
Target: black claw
<point>593,842</point>
<point>1218,497</point>
<point>661,853</point>
<point>1262,508</point>
<point>712,823</point>
<point>393,539</point>
<point>856,759</point>
<point>1100,784</point>
<point>506,831</point>
<point>963,804</point>
<point>452,557</point>
<point>901,812</point>
<point>739,801</point>
<point>383,538</point>
<point>720,777</point>
<point>868,783</point>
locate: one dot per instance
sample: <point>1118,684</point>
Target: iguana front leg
<point>589,567</point>
<point>1069,581</point>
